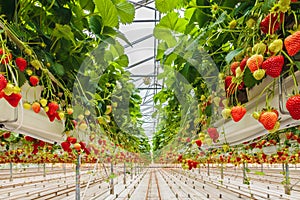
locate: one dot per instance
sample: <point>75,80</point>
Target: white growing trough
<point>249,128</point>
<point>27,122</point>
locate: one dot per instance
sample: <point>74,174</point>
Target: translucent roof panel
<point>141,53</point>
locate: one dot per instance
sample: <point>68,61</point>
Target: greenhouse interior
<point>149,99</point>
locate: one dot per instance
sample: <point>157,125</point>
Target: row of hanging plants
<point>67,56</point>
<point>216,55</point>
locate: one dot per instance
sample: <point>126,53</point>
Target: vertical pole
<point>112,179</point>
<point>78,177</point>
<point>262,167</point>
<point>124,179</point>
<point>131,171</point>
<point>244,173</point>
<point>199,168</point>
<point>222,171</point>
<point>44,170</point>
<point>287,189</point>
<point>64,167</point>
<point>208,173</point>
<point>38,167</point>
<point>10,171</point>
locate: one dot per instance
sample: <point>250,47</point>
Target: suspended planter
<point>27,122</point>
<point>248,128</point>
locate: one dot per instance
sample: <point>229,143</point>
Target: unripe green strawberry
<point>232,24</point>
<point>259,74</point>
<point>36,64</point>
<point>250,23</point>
<point>259,48</point>
<point>9,89</point>
<point>226,113</point>
<point>238,72</point>
<point>256,115</point>
<point>43,102</point>
<point>276,46</point>
<point>26,106</point>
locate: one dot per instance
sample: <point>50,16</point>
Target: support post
<point>78,161</point>
<point>124,179</point>
<point>222,171</point>
<point>112,191</point>
<point>38,165</point>
<point>245,181</point>
<point>64,167</point>
<point>262,167</point>
<point>199,168</point>
<point>208,172</point>
<point>287,188</point>
<point>44,170</point>
<point>10,171</point>
<point>131,171</point>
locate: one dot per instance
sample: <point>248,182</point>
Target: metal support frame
<point>222,171</point>
<point>208,171</point>
<point>286,172</point>
<point>44,170</point>
<point>140,62</point>
<point>10,171</point>
<point>143,3</point>
<point>112,189</point>
<point>139,40</point>
<point>78,161</point>
<point>124,179</point>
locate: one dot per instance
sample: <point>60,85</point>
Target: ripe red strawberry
<point>51,117</point>
<point>3,82</point>
<point>72,140</point>
<point>289,135</point>
<point>36,107</point>
<point>28,138</point>
<point>6,135</point>
<point>271,23</point>
<point>273,65</point>
<point>243,63</point>
<point>254,62</point>
<point>268,119</point>
<point>53,107</point>
<point>213,133</point>
<point>83,145</point>
<point>65,146</point>
<point>238,112</point>
<point>292,44</point>
<point>293,106</point>
<point>34,80</point>
<point>13,99</point>
<point>233,67</point>
<point>229,86</point>
<point>294,0</point>
<point>198,142</point>
<point>21,63</point>
<point>41,143</point>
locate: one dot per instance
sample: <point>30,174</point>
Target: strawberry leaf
<point>297,64</point>
<point>232,54</point>
<point>249,80</point>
